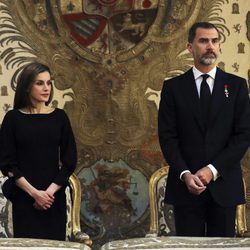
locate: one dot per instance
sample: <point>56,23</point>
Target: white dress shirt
<point>210,81</point>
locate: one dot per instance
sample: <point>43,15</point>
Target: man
<point>204,131</point>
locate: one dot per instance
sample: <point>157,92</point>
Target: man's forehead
<point>201,32</point>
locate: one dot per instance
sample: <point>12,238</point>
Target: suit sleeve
<point>240,138</point>
<point>168,132</point>
<point>68,152</point>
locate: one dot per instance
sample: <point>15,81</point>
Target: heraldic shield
<point>108,26</point>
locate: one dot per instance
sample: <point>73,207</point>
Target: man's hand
<point>193,183</point>
<point>10,174</point>
<point>205,175</point>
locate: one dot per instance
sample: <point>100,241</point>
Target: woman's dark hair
<point>195,26</point>
<point>24,83</point>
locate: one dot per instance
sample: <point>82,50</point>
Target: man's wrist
<point>182,174</point>
<point>214,172</point>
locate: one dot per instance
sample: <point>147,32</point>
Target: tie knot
<point>204,77</point>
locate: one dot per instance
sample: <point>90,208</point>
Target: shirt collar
<point>198,73</point>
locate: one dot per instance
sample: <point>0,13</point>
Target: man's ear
<point>190,47</point>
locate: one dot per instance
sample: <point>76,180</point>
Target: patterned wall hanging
<point>111,57</point>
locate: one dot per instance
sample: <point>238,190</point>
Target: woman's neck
<point>39,109</point>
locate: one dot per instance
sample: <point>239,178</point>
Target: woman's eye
<point>49,82</point>
<point>39,83</point>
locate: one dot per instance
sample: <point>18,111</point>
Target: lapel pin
<point>226,90</point>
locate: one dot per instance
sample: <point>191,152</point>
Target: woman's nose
<point>45,86</point>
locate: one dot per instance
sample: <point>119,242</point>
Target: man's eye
<point>204,40</point>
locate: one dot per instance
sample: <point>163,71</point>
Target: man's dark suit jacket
<point>187,145</point>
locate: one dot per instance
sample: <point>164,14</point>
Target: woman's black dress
<point>40,147</point>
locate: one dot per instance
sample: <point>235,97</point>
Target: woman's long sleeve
<point>8,153</point>
<point>68,152</point>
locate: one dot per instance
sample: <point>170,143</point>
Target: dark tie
<point>205,99</point>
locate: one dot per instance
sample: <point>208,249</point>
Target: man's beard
<point>208,58</point>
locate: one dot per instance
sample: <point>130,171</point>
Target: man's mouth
<point>210,54</point>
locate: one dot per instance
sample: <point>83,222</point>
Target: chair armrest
<point>81,237</point>
<point>241,222</point>
<point>77,235</point>
<point>241,227</point>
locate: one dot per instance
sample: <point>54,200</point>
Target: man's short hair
<point>195,26</point>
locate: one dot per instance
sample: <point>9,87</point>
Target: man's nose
<point>210,45</point>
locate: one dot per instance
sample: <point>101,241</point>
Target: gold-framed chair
<point>73,228</point>
<point>156,202</point>
<point>76,233</point>
<point>241,220</point>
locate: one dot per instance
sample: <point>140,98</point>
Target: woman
<point>38,151</point>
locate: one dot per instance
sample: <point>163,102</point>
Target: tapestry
<point>109,59</point>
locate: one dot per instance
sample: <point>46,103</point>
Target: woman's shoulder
<point>62,117</point>
<point>61,113</point>
<point>11,113</point>
<point>10,118</point>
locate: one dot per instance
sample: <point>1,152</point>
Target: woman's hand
<point>46,198</point>
<point>43,200</point>
<point>52,189</point>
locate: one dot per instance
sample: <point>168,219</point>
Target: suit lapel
<point>192,97</point>
<point>218,96</point>
<point>193,100</point>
